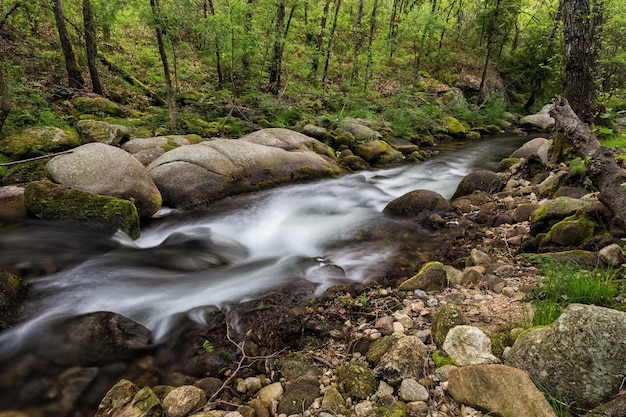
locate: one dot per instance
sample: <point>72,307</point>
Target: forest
<point>226,67</point>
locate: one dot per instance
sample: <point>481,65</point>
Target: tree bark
<point>331,38</point>
<point>74,76</point>
<point>491,35</point>
<point>5,103</point>
<point>277,54</point>
<point>320,41</point>
<point>603,170</point>
<point>90,47</point>
<point>166,68</point>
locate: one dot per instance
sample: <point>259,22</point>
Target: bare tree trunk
<point>218,54</point>
<point>358,42</point>
<point>370,41</point>
<point>5,103</point>
<point>603,170</point>
<point>74,76</point>
<point>277,54</point>
<point>331,37</point>
<point>90,47</point>
<point>491,35</point>
<point>320,41</point>
<point>166,68</point>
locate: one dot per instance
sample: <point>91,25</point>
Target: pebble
<point>508,291</point>
<point>421,294</point>
<point>417,406</point>
<point>410,390</point>
<point>363,408</point>
<point>398,328</point>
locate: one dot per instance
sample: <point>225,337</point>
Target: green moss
<point>573,230</point>
<point>498,343</point>
<point>46,200</point>
<point>432,275</point>
<point>378,349</point>
<point>446,317</point>
<point>441,359</point>
<point>96,105</point>
<point>25,172</point>
<point>507,163</point>
<point>38,141</point>
<point>454,127</point>
<point>397,409</point>
<point>357,380</point>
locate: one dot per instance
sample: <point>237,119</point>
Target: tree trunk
<point>130,79</point>
<point>370,41</point>
<point>603,170</point>
<point>166,68</point>
<point>218,53</point>
<point>358,41</point>
<point>331,37</point>
<point>491,35</point>
<point>320,41</point>
<point>5,103</point>
<point>90,47</point>
<point>580,23</point>
<point>277,54</point>
<point>74,76</point>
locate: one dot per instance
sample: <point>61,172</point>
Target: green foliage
<point>206,345</point>
<point>560,406</point>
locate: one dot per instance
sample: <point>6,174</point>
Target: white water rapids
<point>236,250</point>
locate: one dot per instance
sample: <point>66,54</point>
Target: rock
<point>93,338</point>
<point>270,393</point>
<point>357,380</point>
<point>582,354</point>
<point>377,151</point>
<point>453,127</point>
<point>352,162</point>
<point>537,147</point>
<point>12,295</point>
<point>11,201</point>
<point>49,201</point>
<point>432,276</point>
<point>96,105</point>
<point>102,169</point>
<point>468,345</point>
<point>572,231</point>
<point>445,318</point>
<point>417,203</point>
<point>97,131</point>
<point>196,174</point>
<point>37,141</point>
<point>479,180</point>
<point>614,408</point>
<point>378,349</point>
<point>498,390</point>
<point>410,390</point>
<point>405,359</point>
<point>523,212</point>
<point>288,140</point>
<point>333,400</point>
<point>402,145</point>
<point>147,150</point>
<point>538,121</point>
<point>298,396</point>
<point>317,132</point>
<point>385,325</point>
<point>360,132</point>
<point>183,401</point>
<point>479,257</point>
<point>126,399</point>
<point>612,255</point>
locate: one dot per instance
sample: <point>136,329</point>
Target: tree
<point>154,5</point>
<point>5,103</point>
<point>277,52</point>
<point>331,37</point>
<point>582,22</point>
<point>90,47</point>
<point>71,65</point>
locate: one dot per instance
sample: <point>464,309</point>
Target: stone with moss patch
<point>572,231</point>
<point>12,294</point>
<point>97,105</point>
<point>397,409</point>
<point>25,172</point>
<point>506,163</point>
<point>559,208</point>
<point>446,317</point>
<point>103,132</point>
<point>432,276</point>
<point>379,348</point>
<point>377,151</point>
<point>416,203</point>
<point>453,127</point>
<point>38,141</point>
<point>46,200</point>
<point>357,380</point>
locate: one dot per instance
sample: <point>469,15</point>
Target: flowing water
<point>235,250</point>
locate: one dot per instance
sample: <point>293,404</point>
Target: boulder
<point>539,121</point>
<point>537,147</point>
<point>377,151</point>
<point>479,180</point>
<point>360,131</point>
<point>11,201</point>
<point>405,359</point>
<point>196,174</point>
<point>182,401</point>
<point>147,150</point>
<point>98,131</point>
<point>46,200</point>
<point>126,399</point>
<point>581,355</point>
<point>612,255</point>
<point>93,338</point>
<point>572,231</point>
<point>445,318</point>
<point>102,169</point>
<point>96,105</point>
<point>357,379</point>
<point>417,203</point>
<point>288,140</point>
<point>468,345</point>
<point>432,276</point>
<point>317,132</point>
<point>498,390</point>
<point>453,127</point>
<point>37,141</point>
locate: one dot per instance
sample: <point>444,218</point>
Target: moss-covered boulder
<point>417,203</point>
<point>479,180</point>
<point>46,200</point>
<point>559,208</point>
<point>506,163</point>
<point>407,358</point>
<point>453,127</point>
<point>357,380</point>
<point>378,349</point>
<point>432,276</point>
<point>37,141</point>
<point>12,294</point>
<point>126,399</point>
<point>107,170</point>
<point>445,318</point>
<point>572,231</point>
<point>377,151</point>
<point>97,105</point>
<point>98,131</point>
<point>25,172</point>
<point>299,395</point>
<point>147,150</point>
<point>360,131</point>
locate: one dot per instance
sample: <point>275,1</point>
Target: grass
<point>565,283</point>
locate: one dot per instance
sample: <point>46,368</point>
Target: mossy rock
<point>103,132</point>
<point>432,276</point>
<point>559,208</point>
<point>479,180</point>
<point>298,366</point>
<point>397,409</point>
<point>445,318</point>
<point>473,134</point>
<point>345,138</point>
<point>299,395</point>
<point>572,231</point>
<point>12,294</point>
<point>377,151</point>
<point>441,358</point>
<point>379,348</point>
<point>202,127</point>
<point>333,400</point>
<point>506,163</point>
<point>453,127</point>
<point>360,132</point>
<point>25,172</point>
<point>357,380</point>
<point>38,141</point>
<point>416,203</point>
<point>46,200</point>
<point>583,258</point>
<point>97,105</point>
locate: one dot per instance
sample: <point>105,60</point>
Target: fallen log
<point>603,169</point>
<point>130,79</point>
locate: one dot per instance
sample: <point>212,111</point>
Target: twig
<point>6,164</point>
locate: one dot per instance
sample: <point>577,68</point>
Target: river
<point>235,250</point>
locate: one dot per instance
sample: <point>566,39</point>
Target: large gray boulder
<point>498,390</point>
<point>103,132</point>
<point>147,150</point>
<point>537,147</point>
<point>192,175</point>
<point>288,140</point>
<point>582,354</point>
<point>102,169</point>
<point>538,121</point>
<point>479,180</point>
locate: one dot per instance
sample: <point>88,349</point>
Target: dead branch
<point>6,164</point>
